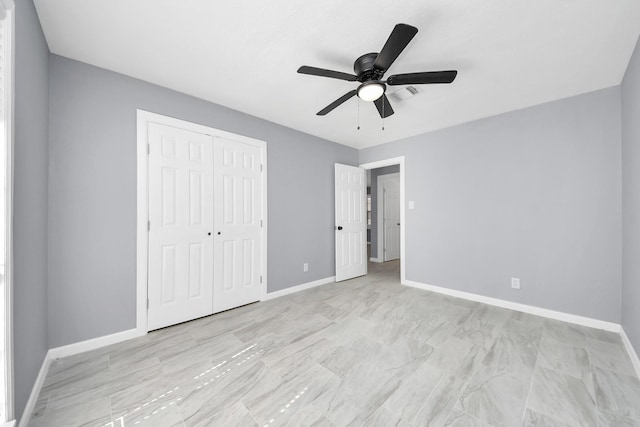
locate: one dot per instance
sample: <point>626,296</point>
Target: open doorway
<point>385,214</point>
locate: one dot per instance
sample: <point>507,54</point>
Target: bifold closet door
<point>238,222</point>
<point>180,281</point>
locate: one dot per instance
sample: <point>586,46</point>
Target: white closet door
<point>238,221</point>
<point>391,216</point>
<point>180,281</point>
<point>351,222</point>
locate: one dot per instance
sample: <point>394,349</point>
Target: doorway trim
<point>142,215</point>
<point>7,412</point>
<point>390,162</point>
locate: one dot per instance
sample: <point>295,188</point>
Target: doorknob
<point>209,234</point>
<point>219,233</point>
<point>339,227</point>
<point>398,223</point>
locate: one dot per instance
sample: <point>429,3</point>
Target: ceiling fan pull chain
<point>383,112</point>
<point>358,113</point>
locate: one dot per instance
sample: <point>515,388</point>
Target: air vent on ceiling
<point>404,93</point>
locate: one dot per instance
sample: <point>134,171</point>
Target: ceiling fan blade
<point>383,101</point>
<point>314,71</point>
<point>336,103</point>
<point>429,77</point>
<point>397,41</point>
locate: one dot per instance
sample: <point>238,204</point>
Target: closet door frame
<point>142,212</point>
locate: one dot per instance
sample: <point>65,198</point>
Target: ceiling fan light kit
<point>370,68</point>
<point>370,91</point>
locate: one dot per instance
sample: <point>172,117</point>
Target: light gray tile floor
<point>365,352</point>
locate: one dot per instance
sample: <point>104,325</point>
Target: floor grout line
<point>533,375</point>
<point>466,385</point>
<point>593,379</point>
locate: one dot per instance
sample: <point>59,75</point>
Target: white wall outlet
<point>412,205</point>
<point>515,283</point>
<point>305,267</point>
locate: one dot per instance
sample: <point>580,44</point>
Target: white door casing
<point>238,223</point>
<point>180,225</point>
<point>391,215</point>
<point>351,222</point>
<point>7,95</point>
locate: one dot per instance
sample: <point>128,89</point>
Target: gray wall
<point>534,194</point>
<point>375,173</point>
<point>631,200</point>
<point>30,200</point>
<point>92,199</point>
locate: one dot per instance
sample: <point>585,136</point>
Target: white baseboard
<point>35,391</point>
<point>372,259</point>
<point>70,350</point>
<point>298,288</point>
<point>9,424</point>
<point>94,343</point>
<point>632,352</point>
<point>538,311</point>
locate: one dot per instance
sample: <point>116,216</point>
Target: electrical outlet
<point>305,267</point>
<point>515,283</point>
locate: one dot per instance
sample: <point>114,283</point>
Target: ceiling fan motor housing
<point>364,68</point>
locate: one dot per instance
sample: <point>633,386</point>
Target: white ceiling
<point>244,54</point>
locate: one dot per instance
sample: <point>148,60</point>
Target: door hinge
<point>147,303</point>
<point>260,223</point>
<point>260,167</point>
<point>148,225</point>
<point>148,149</point>
<point>260,279</point>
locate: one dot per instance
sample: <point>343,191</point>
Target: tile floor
<point>366,352</point>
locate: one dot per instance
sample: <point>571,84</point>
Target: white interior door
<point>391,216</point>
<point>351,222</point>
<point>180,281</point>
<point>238,220</point>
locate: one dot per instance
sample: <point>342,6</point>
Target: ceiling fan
<point>370,68</point>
